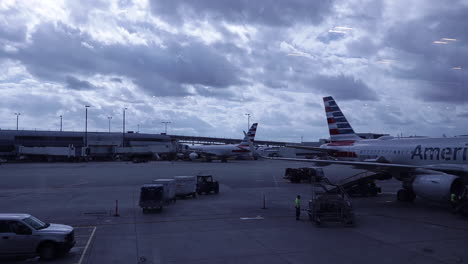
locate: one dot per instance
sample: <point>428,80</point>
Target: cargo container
<point>151,197</point>
<point>169,189</point>
<point>186,186</point>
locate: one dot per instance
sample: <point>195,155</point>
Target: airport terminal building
<point>54,145</point>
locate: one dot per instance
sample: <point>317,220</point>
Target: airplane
<point>225,151</point>
<point>431,168</point>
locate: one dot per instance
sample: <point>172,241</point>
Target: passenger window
<point>4,227</point>
<point>19,228</point>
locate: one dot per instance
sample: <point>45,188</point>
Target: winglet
<point>251,146</point>
<point>250,136</point>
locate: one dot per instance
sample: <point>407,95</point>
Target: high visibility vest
<point>298,203</point>
<point>453,197</point>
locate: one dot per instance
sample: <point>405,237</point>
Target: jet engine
<point>193,156</point>
<point>437,186</point>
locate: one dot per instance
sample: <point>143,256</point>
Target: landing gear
<point>406,195</point>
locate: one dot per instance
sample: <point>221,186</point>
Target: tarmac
<point>230,227</point>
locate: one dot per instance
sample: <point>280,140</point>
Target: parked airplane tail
<point>250,135</point>
<point>339,128</point>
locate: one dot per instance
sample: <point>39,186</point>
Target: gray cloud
<point>58,51</point>
<point>14,34</point>
<point>76,84</point>
<point>428,64</point>
<point>233,71</point>
<point>343,87</point>
<point>12,28</point>
<point>265,12</point>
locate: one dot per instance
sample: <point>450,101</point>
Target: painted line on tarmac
<point>87,245</point>
<point>252,218</point>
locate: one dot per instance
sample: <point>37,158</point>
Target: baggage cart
<point>186,186</point>
<point>151,197</point>
<point>329,203</point>
<point>169,189</point>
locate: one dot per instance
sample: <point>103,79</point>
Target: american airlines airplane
<point>225,151</point>
<point>431,168</point>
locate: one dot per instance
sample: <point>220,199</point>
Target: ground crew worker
<point>298,207</point>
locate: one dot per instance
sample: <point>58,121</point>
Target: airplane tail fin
<point>249,136</point>
<point>338,125</point>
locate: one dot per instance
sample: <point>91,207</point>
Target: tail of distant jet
<point>250,135</point>
<point>339,127</point>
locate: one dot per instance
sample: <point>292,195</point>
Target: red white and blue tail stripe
<point>339,127</point>
<point>250,135</point>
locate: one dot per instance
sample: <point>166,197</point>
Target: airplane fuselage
<point>222,150</point>
<point>409,151</point>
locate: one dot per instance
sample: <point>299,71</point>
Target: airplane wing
<point>449,168</point>
<point>372,166</point>
<point>382,167</point>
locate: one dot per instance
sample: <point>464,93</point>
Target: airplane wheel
<point>411,196</point>
<point>405,195</point>
<point>401,195</point>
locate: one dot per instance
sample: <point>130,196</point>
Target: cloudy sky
<point>394,66</point>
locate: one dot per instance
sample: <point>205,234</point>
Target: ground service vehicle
<point>206,184</point>
<point>25,235</point>
<point>362,188</point>
<point>186,186</point>
<point>358,187</point>
<point>297,175</point>
<point>329,203</point>
<point>169,189</point>
<point>151,197</point>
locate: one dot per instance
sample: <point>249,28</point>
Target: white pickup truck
<point>25,235</point>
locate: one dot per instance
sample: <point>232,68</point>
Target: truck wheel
<point>48,251</point>
<point>194,195</point>
<point>145,211</point>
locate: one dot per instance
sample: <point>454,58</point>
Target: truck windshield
<point>35,223</point>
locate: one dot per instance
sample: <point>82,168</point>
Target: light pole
<point>165,126</point>
<point>138,130</point>
<point>109,117</point>
<point>17,118</point>
<point>248,121</point>
<point>123,131</point>
<point>86,125</point>
<point>60,123</point>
